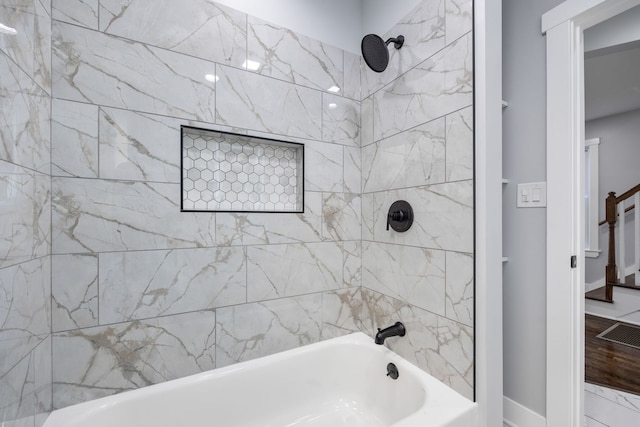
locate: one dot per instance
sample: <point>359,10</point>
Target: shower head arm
<point>397,41</point>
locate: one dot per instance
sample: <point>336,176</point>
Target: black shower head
<point>375,53</point>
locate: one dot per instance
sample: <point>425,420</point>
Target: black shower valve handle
<point>398,216</point>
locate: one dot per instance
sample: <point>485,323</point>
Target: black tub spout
<point>392,331</point>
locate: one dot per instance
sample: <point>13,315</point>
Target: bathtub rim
<point>466,407</point>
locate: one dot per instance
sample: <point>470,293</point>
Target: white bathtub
<point>336,383</point>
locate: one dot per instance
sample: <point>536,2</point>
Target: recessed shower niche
<point>227,172</point>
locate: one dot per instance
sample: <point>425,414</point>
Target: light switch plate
<point>532,195</point>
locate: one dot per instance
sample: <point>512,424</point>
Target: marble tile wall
<point>25,213</point>
<point>107,287</point>
<point>142,293</point>
<point>417,145</point>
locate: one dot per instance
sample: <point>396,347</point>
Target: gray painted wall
<point>619,151</point>
<point>524,242</point>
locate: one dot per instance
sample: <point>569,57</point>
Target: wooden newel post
<point>611,274</point>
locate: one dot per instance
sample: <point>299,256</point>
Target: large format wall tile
<point>459,290</point>
<point>249,331</point>
<point>133,75</point>
<point>292,57</point>
<point>413,275</point>
<point>276,271</point>
<point>342,313</point>
<point>74,291</point>
<point>200,28</point>
<point>460,145</point>
<point>324,167</point>
<point>341,216</point>
<point>30,47</point>
<point>340,120</point>
<point>140,147</point>
<point>352,272</point>
<point>78,12</point>
<point>459,18</point>
<point>424,32</point>
<point>74,139</point>
<point>274,228</point>
<point>352,170</point>
<point>441,347</point>
<point>249,101</point>
<point>24,119</point>
<point>100,361</point>
<point>138,285</point>
<point>351,76</point>
<point>92,215</point>
<point>438,86</point>
<point>25,214</point>
<point>408,159</point>
<point>25,301</point>
<point>443,216</point>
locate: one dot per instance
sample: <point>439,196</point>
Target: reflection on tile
<point>25,214</point>
<point>460,145</point>
<point>366,121</point>
<point>459,288</point>
<point>249,331</point>
<point>198,28</point>
<point>443,216</point>
<point>341,216</point>
<point>26,388</point>
<point>17,398</point>
<point>92,215</point>
<point>139,147</point>
<point>276,271</point>
<point>260,229</point>
<point>289,56</point>
<point>78,12</point>
<point>74,139</point>
<point>100,361</point>
<point>408,159</point>
<point>131,75</point>
<point>413,275</point>
<point>30,47</point>
<point>436,87</point>
<point>246,100</point>
<point>340,120</point>
<point>74,291</point>
<point>138,285</point>
<point>42,376</point>
<point>24,119</point>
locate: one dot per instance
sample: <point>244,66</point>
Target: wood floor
<point>609,364</point>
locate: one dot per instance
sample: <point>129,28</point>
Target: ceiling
<point>612,66</point>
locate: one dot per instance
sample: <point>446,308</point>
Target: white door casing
<point>564,26</point>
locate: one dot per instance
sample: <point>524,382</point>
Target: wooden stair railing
<point>611,210</point>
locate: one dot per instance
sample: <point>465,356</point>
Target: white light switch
<point>532,195</point>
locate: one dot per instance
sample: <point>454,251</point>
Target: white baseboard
<point>516,415</point>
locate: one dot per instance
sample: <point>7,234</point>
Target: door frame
<point>564,26</point>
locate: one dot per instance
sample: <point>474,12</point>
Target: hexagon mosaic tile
<point>240,173</point>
